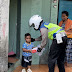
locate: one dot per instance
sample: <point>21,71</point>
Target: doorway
<point>14,27</point>
<point>65,5</point>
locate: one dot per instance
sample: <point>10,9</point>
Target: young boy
<point>27,53</point>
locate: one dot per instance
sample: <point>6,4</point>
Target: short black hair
<point>65,12</point>
<point>27,34</point>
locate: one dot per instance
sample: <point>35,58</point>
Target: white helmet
<point>35,21</point>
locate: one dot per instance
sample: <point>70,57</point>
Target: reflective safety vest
<point>53,29</point>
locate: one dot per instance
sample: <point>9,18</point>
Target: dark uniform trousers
<point>57,52</point>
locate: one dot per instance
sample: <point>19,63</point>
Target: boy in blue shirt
<point>27,53</point>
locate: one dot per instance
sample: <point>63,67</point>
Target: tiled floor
<point>42,68</point>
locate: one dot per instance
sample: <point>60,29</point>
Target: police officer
<point>58,37</point>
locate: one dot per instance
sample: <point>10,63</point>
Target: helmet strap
<point>40,24</point>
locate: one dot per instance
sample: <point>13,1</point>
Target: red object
<point>34,51</point>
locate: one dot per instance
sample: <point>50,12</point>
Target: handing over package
<point>35,50</point>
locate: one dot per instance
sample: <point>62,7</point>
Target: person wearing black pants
<point>57,52</point>
<point>58,37</point>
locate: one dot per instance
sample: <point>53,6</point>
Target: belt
<point>54,35</point>
<point>62,34</point>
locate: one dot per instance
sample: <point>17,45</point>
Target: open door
<point>14,27</point>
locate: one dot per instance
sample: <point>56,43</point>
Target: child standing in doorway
<point>27,53</point>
